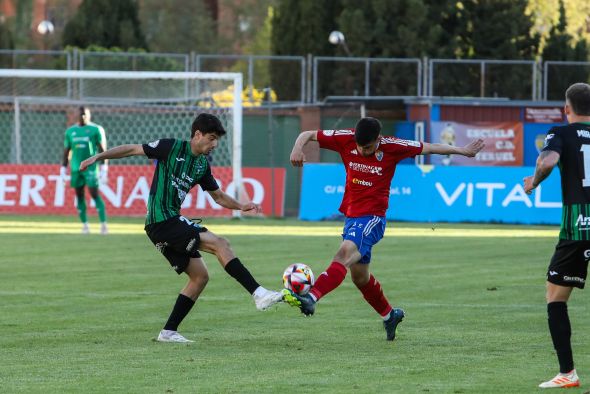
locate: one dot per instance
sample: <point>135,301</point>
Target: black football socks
<point>561,332</point>
<point>236,269</point>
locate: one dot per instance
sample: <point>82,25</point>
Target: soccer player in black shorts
<point>181,165</point>
<point>568,146</point>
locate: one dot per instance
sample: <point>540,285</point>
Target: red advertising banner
<point>503,142</point>
<point>544,115</point>
<point>38,189</point>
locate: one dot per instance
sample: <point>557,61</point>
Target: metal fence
<point>298,80</point>
<point>36,59</point>
<point>512,79</point>
<point>558,75</point>
<point>364,77</point>
<point>285,74</point>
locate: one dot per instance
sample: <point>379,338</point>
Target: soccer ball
<point>298,278</point>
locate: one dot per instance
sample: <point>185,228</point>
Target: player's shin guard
<point>102,215</point>
<point>373,293</point>
<point>81,206</point>
<point>328,280</point>
<point>561,332</point>
<point>181,308</point>
<point>236,269</point>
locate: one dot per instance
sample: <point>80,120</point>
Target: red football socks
<point>373,293</point>
<point>328,280</point>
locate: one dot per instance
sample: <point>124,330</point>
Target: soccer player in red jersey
<point>370,160</point>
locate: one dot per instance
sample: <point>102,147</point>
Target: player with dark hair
<point>180,166</point>
<point>569,146</point>
<point>370,160</point>
<point>83,140</point>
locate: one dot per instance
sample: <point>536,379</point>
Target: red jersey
<point>368,179</point>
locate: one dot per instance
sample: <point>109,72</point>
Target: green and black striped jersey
<point>572,142</point>
<point>177,171</point>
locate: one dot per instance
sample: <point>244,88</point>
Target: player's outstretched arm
<point>545,163</point>
<point>468,150</point>
<point>297,156</point>
<point>227,201</point>
<point>117,152</point>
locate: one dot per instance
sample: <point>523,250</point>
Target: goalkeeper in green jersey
<point>84,140</point>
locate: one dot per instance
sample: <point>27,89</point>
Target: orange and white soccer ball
<point>298,278</point>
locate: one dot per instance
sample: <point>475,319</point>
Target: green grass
<point>79,314</point>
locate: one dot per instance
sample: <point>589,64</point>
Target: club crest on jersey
<point>153,144</point>
<point>379,155</point>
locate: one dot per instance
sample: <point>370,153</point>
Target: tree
<point>170,27</point>
<point>300,27</point>
<point>107,23</point>
<point>562,46</point>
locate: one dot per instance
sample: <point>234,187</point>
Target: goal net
<point>37,106</point>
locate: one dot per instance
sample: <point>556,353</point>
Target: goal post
<point>36,106</point>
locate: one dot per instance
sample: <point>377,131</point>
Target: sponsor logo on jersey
<point>398,141</point>
<point>583,133</point>
<point>583,221</point>
<point>328,133</point>
<point>379,155</point>
<point>153,144</point>
<point>362,182</point>
<point>188,178</point>
<point>365,168</point>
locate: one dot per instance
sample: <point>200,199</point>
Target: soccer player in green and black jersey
<point>180,166</point>
<point>83,140</point>
<point>569,148</point>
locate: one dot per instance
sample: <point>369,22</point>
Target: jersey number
<point>585,149</point>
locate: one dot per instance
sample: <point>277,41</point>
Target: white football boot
<point>172,336</point>
<point>85,228</point>
<point>104,229</point>
<point>266,299</point>
<point>562,380</point>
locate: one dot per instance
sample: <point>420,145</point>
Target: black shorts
<point>569,264</point>
<point>178,239</point>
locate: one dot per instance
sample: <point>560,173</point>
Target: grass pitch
<point>79,314</point>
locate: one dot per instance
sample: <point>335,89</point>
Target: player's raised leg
<point>263,298</point>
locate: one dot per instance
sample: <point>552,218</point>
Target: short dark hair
<point>83,109</point>
<point>578,97</point>
<point>206,124</point>
<point>367,130</point>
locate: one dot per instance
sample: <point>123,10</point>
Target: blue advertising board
<point>443,194</point>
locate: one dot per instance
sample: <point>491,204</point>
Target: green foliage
<point>561,46</point>
<point>6,39</point>
<point>487,29</point>
<point>107,23</point>
<point>179,27</point>
<point>300,28</point>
